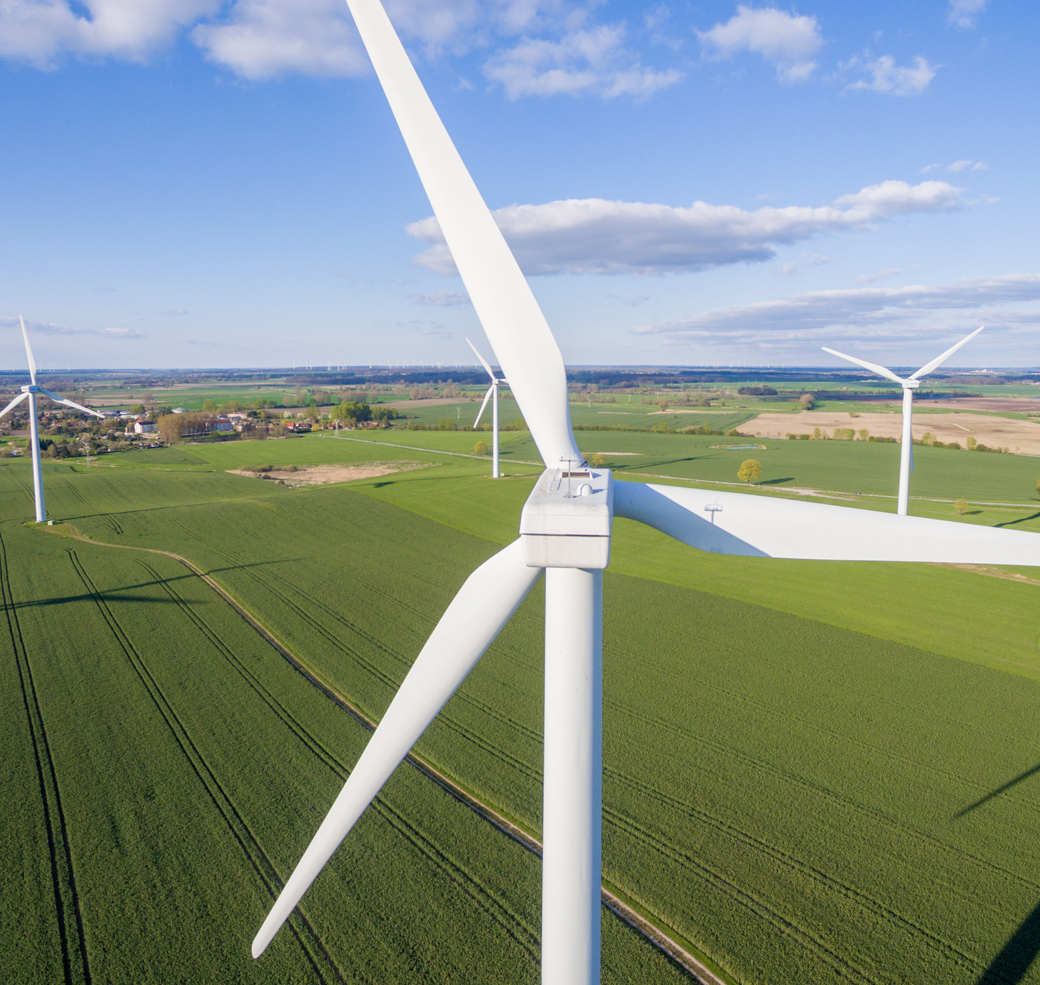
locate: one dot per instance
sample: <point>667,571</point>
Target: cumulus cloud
<point>873,312</point>
<point>890,79</point>
<point>259,39</point>
<point>788,42</point>
<point>962,13</point>
<point>41,31</point>
<point>596,236</point>
<point>262,38</point>
<point>585,60</point>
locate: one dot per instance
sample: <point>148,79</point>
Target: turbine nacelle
<point>567,520</point>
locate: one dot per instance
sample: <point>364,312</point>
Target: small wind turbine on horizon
<point>911,383</point>
<point>566,533</point>
<point>491,395</point>
<point>29,392</point>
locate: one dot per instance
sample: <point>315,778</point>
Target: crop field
<point>813,772</point>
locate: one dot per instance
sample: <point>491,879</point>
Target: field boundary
<point>653,933</point>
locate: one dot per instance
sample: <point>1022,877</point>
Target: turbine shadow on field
<point>1022,519</point>
<point>1010,966</point>
<point>996,793</point>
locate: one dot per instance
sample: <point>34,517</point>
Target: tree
<point>928,438</point>
<point>209,406</point>
<point>863,434</point>
<point>1038,487</point>
<point>597,461</point>
<point>807,400</point>
<point>170,427</point>
<point>961,506</point>
<point>750,471</point>
<point>663,405</point>
<point>446,424</point>
<point>971,442</point>
<point>481,448</point>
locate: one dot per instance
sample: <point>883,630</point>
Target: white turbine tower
<point>491,395</point>
<point>29,392</point>
<point>565,530</point>
<point>911,383</point>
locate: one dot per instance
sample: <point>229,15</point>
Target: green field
<point>813,772</point>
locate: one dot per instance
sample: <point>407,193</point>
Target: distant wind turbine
<point>911,383</point>
<point>30,392</point>
<point>492,394</point>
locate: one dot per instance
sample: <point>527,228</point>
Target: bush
<point>807,400</point>
<point>480,448</point>
<point>447,424</point>
<point>961,506</point>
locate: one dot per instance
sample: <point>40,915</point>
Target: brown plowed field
<point>1020,437</point>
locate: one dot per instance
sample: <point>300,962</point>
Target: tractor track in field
<point>653,931</point>
<point>947,949</point>
<point>309,940</point>
<point>510,922</point>
<point>74,956</point>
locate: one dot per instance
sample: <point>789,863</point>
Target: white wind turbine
<point>911,383</point>
<point>491,395</point>
<point>565,530</point>
<point>29,392</point>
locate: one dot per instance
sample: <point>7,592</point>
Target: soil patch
<point>997,405</point>
<point>319,475</point>
<point>1018,436</point>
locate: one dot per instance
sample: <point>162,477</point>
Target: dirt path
<point>655,934</point>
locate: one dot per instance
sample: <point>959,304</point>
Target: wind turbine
<point>565,531</point>
<point>492,394</point>
<point>911,383</point>
<point>29,392</point>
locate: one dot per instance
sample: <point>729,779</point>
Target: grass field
<point>804,762</point>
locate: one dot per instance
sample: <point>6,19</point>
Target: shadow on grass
<point>1010,966</point>
<point>999,790</point>
<point>1011,523</point>
<point>774,482</point>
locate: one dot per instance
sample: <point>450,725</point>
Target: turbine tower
<point>911,383</point>
<point>29,392</point>
<point>565,531</point>
<point>492,394</point>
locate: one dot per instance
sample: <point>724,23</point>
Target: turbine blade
<point>487,396</point>
<point>761,526</point>
<point>873,367</point>
<point>483,361</point>
<point>939,360</point>
<point>14,403</point>
<point>523,343</point>
<point>28,352</point>
<point>70,403</point>
<point>475,617</point>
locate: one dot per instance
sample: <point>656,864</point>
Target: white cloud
<point>957,166</point>
<point>788,42</point>
<point>263,38</point>
<point>891,79</point>
<point>41,31</point>
<point>962,12</point>
<point>49,328</point>
<point>585,60</point>
<point>442,299</point>
<point>874,312</point>
<point>596,236</point>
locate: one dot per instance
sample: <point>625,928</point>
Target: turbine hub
<point>31,388</point>
<point>567,520</point>
<point>911,384</point>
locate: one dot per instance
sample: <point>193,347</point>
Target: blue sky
<point>196,183</point>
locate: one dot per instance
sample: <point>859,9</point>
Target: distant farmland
<point>798,800</point>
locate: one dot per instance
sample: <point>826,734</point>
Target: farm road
<point>652,932</point>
